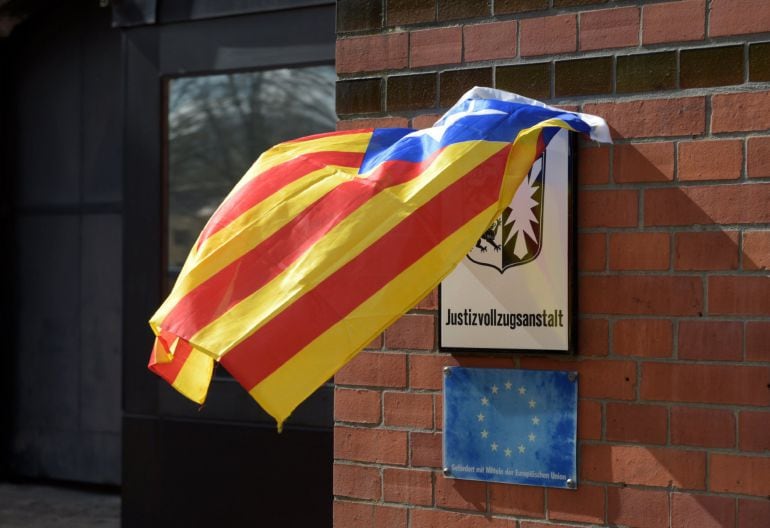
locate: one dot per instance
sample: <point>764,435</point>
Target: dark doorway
<point>223,464</point>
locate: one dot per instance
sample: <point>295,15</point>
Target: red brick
<point>753,513</point>
<point>408,409</point>
<point>710,160</point>
<point>641,295</point>
<point>359,482</point>
<point>640,251</point>
<point>738,17</point>
<point>376,343</point>
<point>758,341</point>
<point>744,475</point>
<point>429,302</point>
<point>594,165</point>
<point>496,40</point>
<point>739,295</point>
<point>429,47</point>
<point>378,122</point>
<point>589,426</point>
<point>460,494</point>
<point>608,208</point>
<point>756,250</point>
<point>644,162</point>
<point>416,332</point>
<point>754,431</point>
<point>593,337</point>
<point>706,251</point>
<point>585,504</point>
<point>609,28</point>
<point>362,515</point>
<point>740,112</point>
<point>410,486</point>
<point>517,500</point>
<point>424,121</point>
<point>638,508</point>
<point>404,12</point>
<point>374,369</point>
<point>592,253</point>
<point>535,524</point>
<point>426,370</point>
<point>445,519</point>
<point>426,449</point>
<point>653,117</point>
<point>707,205</point>
<point>598,378</point>
<point>758,157</point>
<point>711,340</point>
<point>645,466</point>
<point>642,337</point>
<point>372,53</point>
<point>359,406</point>
<point>370,445</point>
<point>702,511</point>
<point>548,35</point>
<point>674,22</point>
<point>643,424</point>
<point>702,427</point>
<point>705,383</point>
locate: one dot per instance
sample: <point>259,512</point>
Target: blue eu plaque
<point>513,426</point>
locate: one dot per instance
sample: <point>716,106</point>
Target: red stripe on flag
<point>169,371</point>
<point>315,312</point>
<point>236,281</point>
<point>270,181</point>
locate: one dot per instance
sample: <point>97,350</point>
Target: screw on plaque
<point>571,484</point>
<point>447,472</point>
<point>447,371</point>
<point>572,376</point>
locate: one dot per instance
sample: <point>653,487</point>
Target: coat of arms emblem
<point>516,237</point>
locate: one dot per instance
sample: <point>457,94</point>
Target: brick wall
<point>674,251</point>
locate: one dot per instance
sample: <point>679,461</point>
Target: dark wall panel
<point>64,84</point>
<point>226,475</point>
<point>48,95</point>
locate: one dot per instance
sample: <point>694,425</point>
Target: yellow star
<point>480,416</point>
<point>532,437</point>
<point>494,446</point>
<point>484,433</point>
<point>522,449</point>
<point>508,452</point>
<point>508,385</point>
<point>484,401</point>
<point>532,404</point>
<point>535,420</point>
<point>494,389</point>
<point>522,390</point>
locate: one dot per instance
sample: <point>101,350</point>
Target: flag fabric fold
<point>328,239</point>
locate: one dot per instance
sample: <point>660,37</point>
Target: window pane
<point>219,124</point>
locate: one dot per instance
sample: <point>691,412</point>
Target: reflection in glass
<point>219,124</point>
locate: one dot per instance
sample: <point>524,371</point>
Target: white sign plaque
<point>512,291</point>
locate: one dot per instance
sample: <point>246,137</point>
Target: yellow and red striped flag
<point>329,239</point>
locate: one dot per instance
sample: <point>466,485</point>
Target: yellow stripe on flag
<point>250,229</point>
<point>195,376</point>
<point>337,247</point>
<point>281,392</point>
<point>284,152</point>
